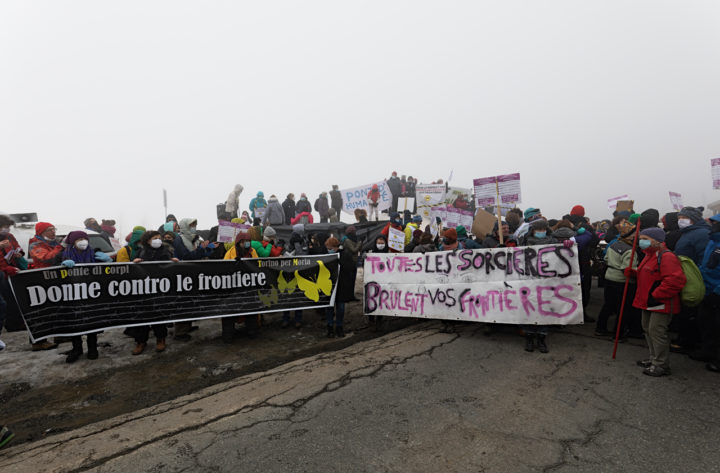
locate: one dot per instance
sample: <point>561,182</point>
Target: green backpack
<point>694,291</point>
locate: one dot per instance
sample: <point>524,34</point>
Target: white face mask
<point>82,245</point>
<point>156,243</point>
<point>381,246</point>
<point>684,222</point>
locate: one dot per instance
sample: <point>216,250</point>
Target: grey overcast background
<point>104,104</point>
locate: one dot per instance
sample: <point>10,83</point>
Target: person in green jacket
<point>617,257</point>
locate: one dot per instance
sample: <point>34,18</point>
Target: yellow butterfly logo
<point>286,286</point>
<point>269,299</point>
<point>312,288</point>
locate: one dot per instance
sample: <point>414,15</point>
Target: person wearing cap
<point>710,307</point>
<point>410,228</point>
<point>449,240</point>
<point>128,252</point>
<point>79,251</point>
<point>274,214</point>
<point>530,215</point>
<point>44,250</point>
<point>257,202</point>
<point>464,240</point>
<point>373,199</point>
<point>694,234</point>
<point>395,187</point>
<point>660,279</point>
<point>617,258</point>
<point>396,223</point>
<point>303,205</point>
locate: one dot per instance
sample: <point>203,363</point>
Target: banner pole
<point>501,237</point>
<point>625,290</point>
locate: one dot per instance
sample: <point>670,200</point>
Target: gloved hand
<point>568,243</point>
<point>11,271</point>
<point>102,257</point>
<point>68,263</point>
<point>630,273</point>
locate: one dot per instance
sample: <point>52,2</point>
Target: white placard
<point>429,194</point>
<point>715,167</point>
<point>405,203</point>
<point>396,239</point>
<point>507,186</point>
<point>676,200</point>
<point>228,231</point>
<point>612,202</point>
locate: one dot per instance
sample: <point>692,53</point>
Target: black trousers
<point>613,293</point>
<point>143,333</point>
<point>710,326</point>
<point>91,343</point>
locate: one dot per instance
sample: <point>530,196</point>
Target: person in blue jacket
<point>710,308</point>
<point>256,203</point>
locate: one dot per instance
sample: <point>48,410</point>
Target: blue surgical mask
<point>644,244</point>
<point>540,234</point>
<point>332,251</point>
<point>247,244</point>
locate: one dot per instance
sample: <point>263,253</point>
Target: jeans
<point>337,312</point>
<point>298,316</point>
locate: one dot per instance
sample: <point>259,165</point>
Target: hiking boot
<point>339,331</point>
<point>542,347</point>
<point>644,363</point>
<point>6,436</point>
<point>139,348</point>
<point>44,345</point>
<point>330,331</point>
<point>161,345</point>
<point>529,342</point>
<point>656,371</point>
<point>73,356</point>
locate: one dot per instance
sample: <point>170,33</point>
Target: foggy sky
<point>102,105</point>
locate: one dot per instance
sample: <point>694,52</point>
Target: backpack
<point>694,291</point>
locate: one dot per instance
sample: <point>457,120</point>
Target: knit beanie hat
<point>649,218</point>
<point>299,228</point>
<point>269,233</point>
<point>75,236</point>
<point>450,235</point>
<point>539,224</point>
<point>461,231</point>
<point>657,234</point>
<point>41,227</point>
<point>634,218</point>
<point>692,213</point>
<point>578,210</point>
<point>564,233</point>
<point>530,213</point>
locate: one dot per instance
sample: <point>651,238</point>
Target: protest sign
<point>612,202</point>
<point>625,205</point>
<point>260,212</point>
<point>90,298</point>
<point>356,198</point>
<point>439,211</point>
<point>505,187</point>
<point>405,203</point>
<point>429,194</point>
<point>425,211</point>
<point>483,223</point>
<point>676,200</point>
<point>715,168</point>
<point>533,285</point>
<point>396,239</point>
<point>452,217</point>
<point>454,192</point>
<point>228,231</point>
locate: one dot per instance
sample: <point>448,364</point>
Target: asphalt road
<point>418,400</point>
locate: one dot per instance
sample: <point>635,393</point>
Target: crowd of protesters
<point>647,262</point>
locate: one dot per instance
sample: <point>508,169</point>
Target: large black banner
<point>93,297</point>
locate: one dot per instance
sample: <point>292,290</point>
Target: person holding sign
<point>396,242</point>
<point>258,202</point>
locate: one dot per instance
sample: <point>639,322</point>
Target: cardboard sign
<point>483,223</point>
<point>624,205</point>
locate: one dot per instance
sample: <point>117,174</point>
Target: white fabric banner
<point>356,198</point>
<point>429,194</point>
<point>531,285</point>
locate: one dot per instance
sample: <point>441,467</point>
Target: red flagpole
<point>625,290</point>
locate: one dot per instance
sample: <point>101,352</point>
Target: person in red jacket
<point>373,199</point>
<point>44,250</point>
<point>660,279</point>
<point>396,223</point>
